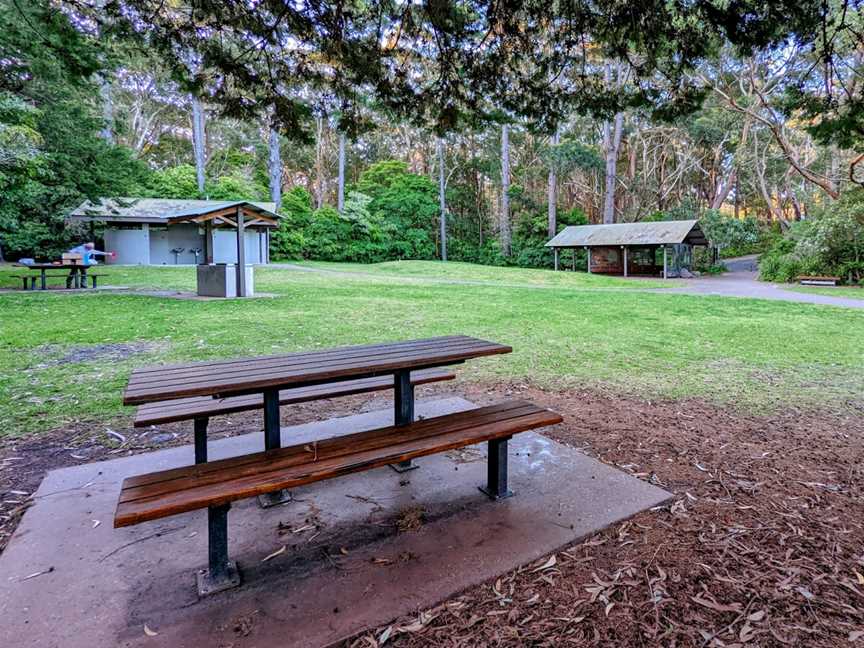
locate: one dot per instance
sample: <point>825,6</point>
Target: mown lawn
<point>456,272</point>
<point>65,357</point>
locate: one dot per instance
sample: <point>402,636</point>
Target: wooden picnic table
<point>77,272</point>
<point>214,485</point>
<point>267,375</point>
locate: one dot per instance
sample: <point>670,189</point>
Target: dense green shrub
<point>829,243</point>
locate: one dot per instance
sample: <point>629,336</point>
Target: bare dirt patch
<point>62,354</point>
<point>762,545</point>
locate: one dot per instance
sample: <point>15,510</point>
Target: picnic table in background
<point>77,277</point>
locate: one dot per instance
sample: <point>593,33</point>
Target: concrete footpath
<point>346,555</point>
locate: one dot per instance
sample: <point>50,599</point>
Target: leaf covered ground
<point>762,545</point>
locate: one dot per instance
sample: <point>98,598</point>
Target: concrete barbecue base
<point>358,551</point>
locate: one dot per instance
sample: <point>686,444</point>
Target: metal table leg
<point>201,439</point>
<point>496,470</point>
<point>272,440</point>
<point>403,401</point>
<point>43,285</point>
<point>221,573</point>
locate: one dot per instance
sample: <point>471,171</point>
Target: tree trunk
<point>552,196</point>
<point>198,142</point>
<point>442,199</point>
<point>320,181</point>
<point>105,90</point>
<point>275,169</point>
<point>611,146</point>
<point>341,196</point>
<point>505,190</point>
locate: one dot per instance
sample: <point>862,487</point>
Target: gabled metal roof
<point>158,210</point>
<point>656,233</point>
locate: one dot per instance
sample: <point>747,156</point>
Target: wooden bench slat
<point>184,409</point>
<point>231,483</point>
<point>231,378</point>
<point>228,370</point>
<point>247,382</point>
<point>140,486</point>
<point>320,353</point>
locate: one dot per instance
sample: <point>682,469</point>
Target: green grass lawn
<point>55,367</point>
<point>456,272</point>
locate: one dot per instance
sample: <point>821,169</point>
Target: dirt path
<point>741,281</point>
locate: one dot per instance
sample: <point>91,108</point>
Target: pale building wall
<point>132,246</point>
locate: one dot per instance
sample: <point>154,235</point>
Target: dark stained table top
<point>250,375</point>
<point>53,266</point>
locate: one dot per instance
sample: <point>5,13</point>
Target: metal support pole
<point>241,254</point>
<point>403,413</point>
<point>496,470</point>
<point>201,439</point>
<point>221,573</point>
<point>272,441</point>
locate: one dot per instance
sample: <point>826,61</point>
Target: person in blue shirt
<point>88,251</point>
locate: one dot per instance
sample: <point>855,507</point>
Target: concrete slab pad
<point>359,550</point>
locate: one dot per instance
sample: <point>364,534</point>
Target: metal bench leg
<point>201,439</point>
<point>403,399</point>
<point>272,440</point>
<point>221,574</point>
<point>496,470</point>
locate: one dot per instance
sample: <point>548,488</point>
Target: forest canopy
<point>374,123</point>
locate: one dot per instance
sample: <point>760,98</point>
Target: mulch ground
<point>763,544</point>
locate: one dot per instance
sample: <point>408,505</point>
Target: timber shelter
<point>632,249</point>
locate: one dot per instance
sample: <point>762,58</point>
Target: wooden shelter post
<point>241,255</point>
<point>625,260</point>
<point>589,259</point>
<point>664,261</point>
<point>573,259</point>
<point>555,253</point>
<point>208,242</point>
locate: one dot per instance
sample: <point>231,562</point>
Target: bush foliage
<point>830,243</point>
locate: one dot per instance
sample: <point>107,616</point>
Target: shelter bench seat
<point>216,484</point>
<point>200,408</point>
<point>818,281</point>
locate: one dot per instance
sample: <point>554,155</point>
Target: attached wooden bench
<point>200,408</point>
<point>216,484</point>
<point>31,279</point>
<point>25,279</point>
<point>818,281</point>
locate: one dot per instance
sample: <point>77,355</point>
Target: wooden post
<point>555,252</point>
<point>573,259</point>
<point>208,242</point>
<point>664,261</point>
<point>589,259</point>
<point>241,254</point>
<point>625,260</point>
